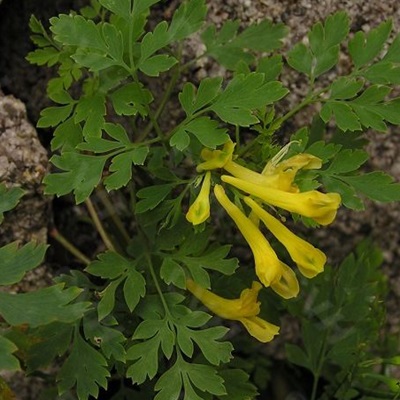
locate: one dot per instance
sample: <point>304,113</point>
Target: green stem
<point>157,284</point>
<point>69,246</point>
<point>99,225</point>
<point>277,123</point>
<point>113,214</point>
<point>317,373</point>
<point>163,102</point>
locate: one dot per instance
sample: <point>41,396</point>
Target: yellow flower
<point>285,171</point>
<point>199,211</point>
<point>322,207</point>
<point>288,285</point>
<point>309,260</point>
<point>245,309</point>
<point>270,270</point>
<point>268,266</point>
<point>275,175</point>
<point>216,158</point>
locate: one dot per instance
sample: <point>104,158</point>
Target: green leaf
<point>382,73</point>
<point>322,53</point>
<point>91,110</point>
<point>151,197</point>
<point>83,175</point>
<point>296,355</point>
<point>187,19</point>
<point>300,58</point>
<point>325,39</point>
<point>8,362</point>
<point>363,48</point>
<point>169,385</point>
<point>107,299</point>
<point>52,116</point>
<point>202,377</point>
<point>206,131</point>
<point>121,167</point>
<point>145,354</point>
<point>117,132</point>
<point>74,30</point>
<point>271,67</point>
<point>55,339</point>
<point>109,265</point>
<point>376,185</point>
<point>85,368</point>
<point>229,49</point>
<point>134,288</point>
<point>206,93</point>
<point>263,37</point>
<point>347,193</point>
<point>345,88</point>
<point>347,161</point>
<point>154,41</point>
<point>94,61</point>
<point>46,56</point>
<point>67,136</point>
<point>345,117</point>
<point>141,6</point>
<point>114,41</point>
<point>238,385</point>
<point>180,139</point>
<point>131,99</point>
<point>42,306</point>
<point>212,259</point>
<point>118,7</point>
<point>9,198</point>
<point>156,64</point>
<point>172,272</point>
<point>244,94</point>
<point>99,145</point>
<point>15,262</point>
<point>110,340</point>
<point>208,340</point>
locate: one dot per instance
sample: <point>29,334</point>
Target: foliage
<point>126,318</point>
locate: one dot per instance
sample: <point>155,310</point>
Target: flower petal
<point>199,211</point>
<point>288,286</point>
<point>321,207</point>
<point>309,260</point>
<point>266,261</point>
<point>215,159</point>
<point>262,330</point>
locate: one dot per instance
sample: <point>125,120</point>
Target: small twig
<point>103,195</point>
<point>69,246</point>
<point>99,225</point>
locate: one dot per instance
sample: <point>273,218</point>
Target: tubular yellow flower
<point>216,158</point>
<point>322,207</point>
<point>288,286</point>
<point>268,266</point>
<point>309,260</point>
<point>286,170</point>
<point>277,176</point>
<point>199,211</point>
<point>245,309</point>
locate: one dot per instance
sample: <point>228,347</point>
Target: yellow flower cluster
<point>274,186</point>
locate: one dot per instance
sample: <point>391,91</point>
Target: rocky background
<point>23,155</point>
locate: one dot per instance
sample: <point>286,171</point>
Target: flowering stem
<point>99,225</point>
